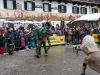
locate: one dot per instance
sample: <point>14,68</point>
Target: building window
<point>9,4</point>
<point>83,10</point>
<point>46,7</point>
<point>61,9</point>
<point>97,1</point>
<point>28,5</point>
<point>75,10</point>
<point>94,10</point>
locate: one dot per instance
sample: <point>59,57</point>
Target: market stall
<point>88,19</point>
<point>92,20</point>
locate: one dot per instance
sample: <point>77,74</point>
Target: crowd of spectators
<point>20,37</point>
<point>24,38</point>
<point>74,34</point>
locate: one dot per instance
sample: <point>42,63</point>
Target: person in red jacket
<point>1,41</point>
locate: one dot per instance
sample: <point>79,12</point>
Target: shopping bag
<point>1,50</point>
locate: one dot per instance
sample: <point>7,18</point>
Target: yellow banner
<point>56,40</point>
<point>95,36</point>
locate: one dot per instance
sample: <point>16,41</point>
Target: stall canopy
<point>2,20</point>
<point>22,22</point>
<point>89,17</point>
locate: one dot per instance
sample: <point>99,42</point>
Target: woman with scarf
<point>89,47</point>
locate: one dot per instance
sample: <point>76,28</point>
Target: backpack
<point>62,33</point>
<point>59,32</point>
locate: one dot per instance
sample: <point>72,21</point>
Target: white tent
<point>8,22</point>
<point>89,17</point>
<point>29,22</point>
<point>2,20</point>
<point>23,22</point>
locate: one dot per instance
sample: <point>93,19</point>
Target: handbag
<point>22,43</point>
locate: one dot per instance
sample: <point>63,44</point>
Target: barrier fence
<point>55,40</point>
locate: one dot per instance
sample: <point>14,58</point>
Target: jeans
<point>69,41</point>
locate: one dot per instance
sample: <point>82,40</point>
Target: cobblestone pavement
<point>61,61</point>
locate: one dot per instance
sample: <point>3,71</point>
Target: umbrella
<point>89,17</point>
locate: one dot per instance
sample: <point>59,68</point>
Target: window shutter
<point>25,5</point>
<point>81,10</point>
<point>77,10</point>
<point>92,10</point>
<point>5,4</point>
<point>85,10</point>
<point>43,7</point>
<point>64,9</point>
<point>96,10</point>
<point>59,8</point>
<point>49,7</point>
<point>73,9</point>
<point>14,4</point>
<point>33,5</point>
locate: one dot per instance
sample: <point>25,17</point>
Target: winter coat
<point>10,38</point>
<point>1,41</point>
<point>93,57</point>
<point>69,35</point>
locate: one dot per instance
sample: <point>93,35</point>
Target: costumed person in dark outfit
<point>41,35</point>
<point>10,41</point>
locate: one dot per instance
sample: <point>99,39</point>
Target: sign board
<point>56,40</point>
<point>95,36</point>
<point>38,6</point>
<point>19,6</point>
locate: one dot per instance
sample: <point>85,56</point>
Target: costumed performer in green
<point>42,34</point>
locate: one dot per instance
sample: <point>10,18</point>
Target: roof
<point>79,2</point>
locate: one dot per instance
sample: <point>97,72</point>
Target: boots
<point>10,49</point>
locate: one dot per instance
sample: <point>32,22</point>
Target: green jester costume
<point>40,33</point>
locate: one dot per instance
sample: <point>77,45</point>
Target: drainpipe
<point>99,22</point>
<point>90,10</point>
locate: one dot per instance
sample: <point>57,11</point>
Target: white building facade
<point>11,5</point>
<point>45,6</point>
